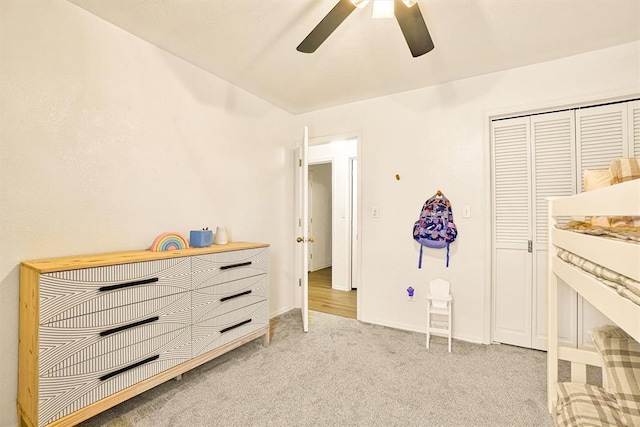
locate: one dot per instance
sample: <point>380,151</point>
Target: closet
<point>534,157</point>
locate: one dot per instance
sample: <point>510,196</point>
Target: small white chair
<point>439,303</point>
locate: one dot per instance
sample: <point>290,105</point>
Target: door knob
<point>311,240</point>
<point>299,239</point>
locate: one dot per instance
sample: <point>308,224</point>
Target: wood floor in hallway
<point>326,300</point>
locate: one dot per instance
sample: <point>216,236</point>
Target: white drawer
<point>112,316</point>
<point>213,332</point>
<point>216,300</point>
<point>62,396</point>
<point>74,293</point>
<point>75,351</point>
<point>235,264</point>
<point>209,278</point>
<point>103,355</point>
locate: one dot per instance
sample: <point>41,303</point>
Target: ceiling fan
<point>407,13</point>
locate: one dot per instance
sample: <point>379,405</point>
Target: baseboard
<point>320,268</point>
<point>280,312</point>
<point>411,328</point>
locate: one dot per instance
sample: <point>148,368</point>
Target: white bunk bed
<point>618,255</point>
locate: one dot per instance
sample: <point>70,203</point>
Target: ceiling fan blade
<point>413,28</point>
<point>328,24</point>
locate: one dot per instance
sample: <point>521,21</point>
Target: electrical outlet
<point>375,212</point>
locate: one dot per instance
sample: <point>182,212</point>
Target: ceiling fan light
<point>383,9</point>
<point>409,3</point>
<point>360,3</point>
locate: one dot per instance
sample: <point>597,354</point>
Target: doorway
<point>332,207</point>
<point>327,300</point>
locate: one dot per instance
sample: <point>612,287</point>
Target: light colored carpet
<point>347,373</point>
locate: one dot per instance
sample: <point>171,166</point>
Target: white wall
<point>107,141</point>
<point>437,138</point>
<point>320,196</point>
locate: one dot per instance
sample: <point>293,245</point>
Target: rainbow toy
<point>169,242</point>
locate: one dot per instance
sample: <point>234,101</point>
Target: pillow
<point>586,405</point>
<point>593,179</point>
<point>596,178</point>
<point>623,170</point>
<point>620,170</point>
<point>625,222</point>
<point>621,364</point>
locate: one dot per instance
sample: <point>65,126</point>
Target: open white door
<point>302,227</point>
<point>354,222</point>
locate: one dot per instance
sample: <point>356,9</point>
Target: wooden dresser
<point>97,330</point>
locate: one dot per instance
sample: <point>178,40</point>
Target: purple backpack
<point>435,228</point>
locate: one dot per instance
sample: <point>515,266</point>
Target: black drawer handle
<point>235,296</point>
<point>127,368</point>
<point>128,284</point>
<point>241,264</point>
<point>129,326</point>
<point>222,331</point>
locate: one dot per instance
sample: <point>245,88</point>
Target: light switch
<point>466,211</point>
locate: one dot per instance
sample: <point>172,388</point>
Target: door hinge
<point>529,246</point>
<point>299,163</point>
<point>299,282</point>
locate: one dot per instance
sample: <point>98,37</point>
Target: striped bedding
<point>616,404</point>
<point>622,232</point>
<point>624,285</point>
<point>582,405</point>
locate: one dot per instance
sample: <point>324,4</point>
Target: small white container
<point>221,236</point>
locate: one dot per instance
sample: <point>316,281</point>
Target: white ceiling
<point>252,43</point>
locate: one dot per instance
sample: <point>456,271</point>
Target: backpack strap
<point>447,254</point>
<point>420,256</point>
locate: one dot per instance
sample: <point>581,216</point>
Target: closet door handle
<point>242,264</point>
<point>222,331</point>
<point>235,296</point>
<point>129,326</point>
<point>128,284</point>
<point>128,368</point>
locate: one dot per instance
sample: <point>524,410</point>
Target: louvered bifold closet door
<point>512,231</point>
<point>553,175</point>
<point>601,136</point>
<point>633,108</point>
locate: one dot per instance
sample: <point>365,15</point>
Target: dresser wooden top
<point>100,260</point>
